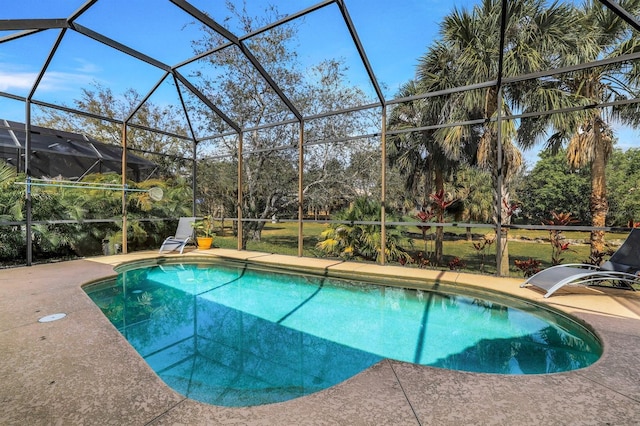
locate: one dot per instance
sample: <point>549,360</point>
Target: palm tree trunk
<point>598,202</point>
<point>439,183</point>
<point>504,242</point>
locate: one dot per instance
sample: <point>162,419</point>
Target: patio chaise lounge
<point>622,269</point>
<point>184,235</point>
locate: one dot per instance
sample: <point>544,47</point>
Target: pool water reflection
<point>234,336</point>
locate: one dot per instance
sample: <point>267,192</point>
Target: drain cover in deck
<point>52,317</point>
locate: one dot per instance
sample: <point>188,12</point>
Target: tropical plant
<point>204,227</point>
<point>480,246</point>
<point>419,156</point>
<point>588,132</point>
<point>440,201</point>
<point>416,155</point>
<point>420,260</point>
<point>528,267</point>
<point>456,264</point>
<point>11,239</point>
<point>534,37</point>
<point>558,242</point>
<point>424,217</point>
<point>472,187</point>
<point>7,172</point>
<point>86,206</point>
<point>353,240</point>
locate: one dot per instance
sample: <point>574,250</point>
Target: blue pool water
<point>227,334</point>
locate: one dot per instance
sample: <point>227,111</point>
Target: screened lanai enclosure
<point>65,155</point>
<point>484,135</point>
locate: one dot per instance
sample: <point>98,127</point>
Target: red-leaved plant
<point>456,264</point>
<point>424,217</point>
<point>480,247</point>
<point>528,267</point>
<point>558,243</point>
<point>421,261</point>
<point>440,200</point>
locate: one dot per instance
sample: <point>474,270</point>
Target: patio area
<point>80,370</point>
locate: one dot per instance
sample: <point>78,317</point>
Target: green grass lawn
<point>282,238</point>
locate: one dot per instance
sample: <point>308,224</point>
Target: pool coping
<point>79,370</point>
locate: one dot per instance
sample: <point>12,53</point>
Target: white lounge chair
<point>622,269</point>
<point>183,235</point>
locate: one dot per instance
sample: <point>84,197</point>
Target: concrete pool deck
<point>80,370</point>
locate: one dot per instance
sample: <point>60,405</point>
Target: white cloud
<point>86,67</point>
<point>14,80</point>
<point>62,81</point>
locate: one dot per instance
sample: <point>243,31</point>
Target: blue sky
<point>394,35</point>
<point>393,38</point>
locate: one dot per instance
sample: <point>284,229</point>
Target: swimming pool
<point>235,335</point>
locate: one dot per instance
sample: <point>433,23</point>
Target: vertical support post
<point>498,189</point>
<point>240,184</point>
<point>27,151</point>
<point>499,170</point>
<point>383,185</point>
<point>27,195</point>
<point>124,187</point>
<point>194,177</point>
<point>300,189</point>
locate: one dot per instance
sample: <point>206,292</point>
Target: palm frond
<point>7,172</point>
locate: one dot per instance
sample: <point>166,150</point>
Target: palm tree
<point>409,152</point>
<point>362,241</point>
<point>469,53</point>
<point>418,156</point>
<point>589,134</point>
<point>7,172</point>
<point>473,190</point>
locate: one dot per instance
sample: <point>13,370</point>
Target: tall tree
<point>468,53</point>
<point>472,189</point>
<point>553,186</point>
<point>339,171</point>
<point>270,171</point>
<point>419,156</point>
<point>623,187</point>
<point>589,133</point>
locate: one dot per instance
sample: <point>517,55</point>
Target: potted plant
<point>204,232</point>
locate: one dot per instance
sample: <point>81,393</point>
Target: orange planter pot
<point>204,243</point>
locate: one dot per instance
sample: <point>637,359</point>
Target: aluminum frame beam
<point>212,24</point>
